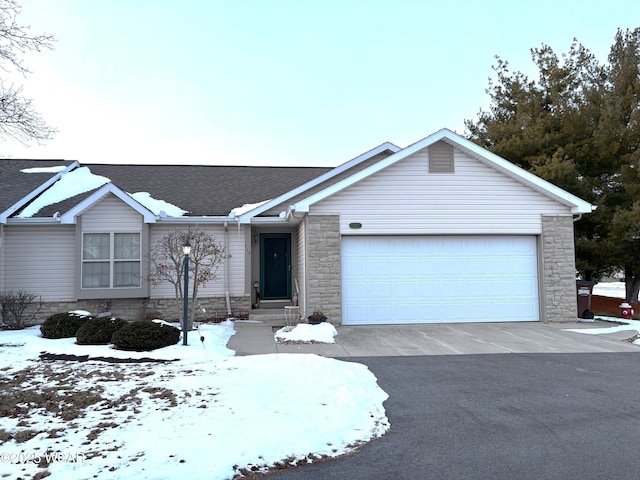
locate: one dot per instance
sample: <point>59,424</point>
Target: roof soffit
<point>504,166</point>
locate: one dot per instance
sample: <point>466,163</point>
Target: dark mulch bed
<point>610,307</point>
<point>86,358</point>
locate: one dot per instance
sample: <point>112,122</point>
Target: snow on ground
<point>307,333</point>
<point>208,414</point>
<point>618,325</point>
<point>614,290</point>
<point>609,289</point>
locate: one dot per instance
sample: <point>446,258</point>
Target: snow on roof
<point>157,206</point>
<point>246,208</point>
<point>56,169</point>
<point>78,181</point>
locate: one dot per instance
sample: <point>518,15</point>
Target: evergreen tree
<point>578,126</point>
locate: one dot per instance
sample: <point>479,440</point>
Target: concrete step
<point>272,316</point>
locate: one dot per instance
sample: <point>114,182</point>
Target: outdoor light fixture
<point>186,249</point>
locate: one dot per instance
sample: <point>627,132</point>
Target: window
<point>111,260</point>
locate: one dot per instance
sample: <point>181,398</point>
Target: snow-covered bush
<point>98,331</point>
<point>63,325</point>
<point>143,336</point>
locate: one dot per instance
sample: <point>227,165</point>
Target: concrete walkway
<point>253,338</point>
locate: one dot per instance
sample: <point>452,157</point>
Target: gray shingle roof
<point>14,184</point>
<point>207,190</point>
<point>201,190</point>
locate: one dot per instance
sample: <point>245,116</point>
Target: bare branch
<point>16,40</point>
<point>18,118</point>
<point>167,261</point>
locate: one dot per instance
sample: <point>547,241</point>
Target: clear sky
<point>281,82</point>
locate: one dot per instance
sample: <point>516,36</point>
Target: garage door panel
<point>390,280</point>
<point>404,291</point>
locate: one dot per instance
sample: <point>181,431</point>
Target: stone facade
<point>143,308</point>
<point>558,269</point>
<point>324,266</point>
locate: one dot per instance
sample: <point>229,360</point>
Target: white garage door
<point>408,279</point>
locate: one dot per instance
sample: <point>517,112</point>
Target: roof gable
<point>70,216</point>
<point>577,204</point>
<point>334,173</point>
<point>23,180</point>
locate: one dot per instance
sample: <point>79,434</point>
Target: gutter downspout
<point>226,268</point>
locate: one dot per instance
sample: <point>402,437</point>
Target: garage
<point>439,279</point>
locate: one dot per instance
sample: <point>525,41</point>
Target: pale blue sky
<point>282,82</point>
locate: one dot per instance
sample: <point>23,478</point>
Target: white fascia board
<point>303,206</point>
<point>268,221</point>
<point>577,204</point>
<point>69,217</point>
<point>31,195</point>
<point>33,221</point>
<point>246,217</point>
<point>195,220</point>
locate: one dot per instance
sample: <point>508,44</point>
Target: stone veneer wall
<point>324,274</point>
<point>141,308</point>
<point>558,269</point>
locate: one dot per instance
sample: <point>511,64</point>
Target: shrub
<point>63,325</point>
<point>20,308</point>
<point>142,336</point>
<point>98,331</point>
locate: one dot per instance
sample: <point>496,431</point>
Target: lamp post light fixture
<point>186,249</point>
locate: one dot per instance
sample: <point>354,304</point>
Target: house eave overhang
<point>247,216</point>
<point>71,215</point>
<point>33,221</point>
<point>576,204</point>
<point>4,216</point>
<point>270,221</point>
<point>196,219</point>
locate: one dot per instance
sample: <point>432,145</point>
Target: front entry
<point>275,266</point>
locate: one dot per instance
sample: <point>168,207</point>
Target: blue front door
<point>275,266</point>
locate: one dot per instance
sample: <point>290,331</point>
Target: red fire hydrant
<point>626,310</point>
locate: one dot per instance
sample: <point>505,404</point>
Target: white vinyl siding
<point>406,199</point>
<point>236,258</point>
<point>109,215</point>
<point>40,259</point>
<point>361,166</point>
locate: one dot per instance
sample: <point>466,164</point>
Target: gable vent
<point>440,158</point>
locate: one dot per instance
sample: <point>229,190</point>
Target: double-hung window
<point>111,260</point>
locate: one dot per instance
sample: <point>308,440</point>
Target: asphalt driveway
<point>513,416</point>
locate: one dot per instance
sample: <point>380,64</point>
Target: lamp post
<point>186,249</point>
